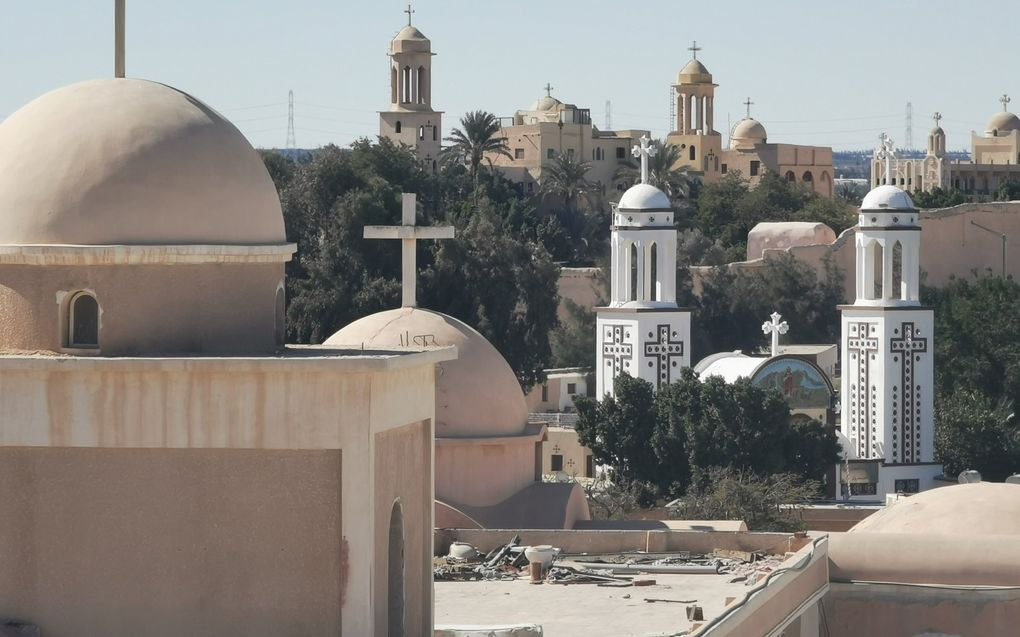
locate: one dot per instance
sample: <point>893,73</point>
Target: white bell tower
<point>887,354</point>
<point>642,332</point>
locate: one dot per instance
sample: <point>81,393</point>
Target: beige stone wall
<point>563,441</point>
<point>169,542</point>
<point>499,468</point>
<point>808,165</point>
<point>145,309</point>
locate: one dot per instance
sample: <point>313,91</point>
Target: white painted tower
<point>642,332</point>
<point>887,354</point>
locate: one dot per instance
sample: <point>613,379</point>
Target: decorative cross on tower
<point>663,350</point>
<point>548,89</point>
<point>409,234</point>
<point>694,48</point>
<point>748,104</point>
<point>937,117</point>
<point>408,11</point>
<point>617,353</point>
<point>644,151</point>
<point>886,153</point>
<point>861,346</point>
<point>775,327</point>
<point>1005,100</point>
<point>118,38</point>
<point>908,348</point>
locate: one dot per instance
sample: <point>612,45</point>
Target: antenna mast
<point>291,142</point>
<point>908,134</point>
<point>609,115</point>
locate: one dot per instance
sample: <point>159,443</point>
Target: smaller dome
<point>410,40</point>
<point>644,197</point>
<point>885,198</point>
<point>981,508</point>
<point>747,133</point>
<point>694,72</point>
<point>410,33</point>
<point>1002,123</point>
<point>937,131</point>
<point>546,103</point>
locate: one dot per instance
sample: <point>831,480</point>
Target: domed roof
<point>694,72</point>
<point>747,133</point>
<point>477,394</point>
<point>1002,123</point>
<point>546,103</point>
<point>887,198</point>
<point>125,161</point>
<point>981,508</point>
<point>937,131</point>
<point>410,33</point>
<point>644,197</point>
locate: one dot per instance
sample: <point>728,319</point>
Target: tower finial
<point>886,153</point>
<point>644,151</point>
<point>748,104</point>
<point>937,116</point>
<point>694,48</point>
<point>1005,100</point>
<point>548,89</point>
<point>409,11</point>
<point>118,38</point>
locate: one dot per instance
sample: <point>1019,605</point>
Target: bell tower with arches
<point>887,355</point>
<point>410,119</point>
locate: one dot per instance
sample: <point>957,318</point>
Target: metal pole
<point>1003,236</point>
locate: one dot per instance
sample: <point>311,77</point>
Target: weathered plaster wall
<point>146,309</point>
<point>498,468</point>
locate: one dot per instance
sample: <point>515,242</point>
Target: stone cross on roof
<point>644,151</point>
<point>409,11</point>
<point>409,234</point>
<point>937,117</point>
<point>118,38</point>
<point>886,153</point>
<point>1005,101</point>
<point>548,89</point>
<point>694,48</point>
<point>775,327</point>
<point>748,104</point>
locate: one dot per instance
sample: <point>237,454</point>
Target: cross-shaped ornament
<point>886,153</point>
<point>694,48</point>
<point>1005,101</point>
<point>937,117</point>
<point>775,327</point>
<point>644,151</point>
<point>409,234</point>
<point>548,89</point>
<point>748,104</point>
<point>408,11</point>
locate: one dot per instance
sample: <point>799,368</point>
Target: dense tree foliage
<point>938,197</point>
<point>663,443</point>
<point>477,137</point>
<point>764,503</point>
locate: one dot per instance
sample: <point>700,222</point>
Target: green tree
<point>573,340</point>
<point>1008,190</point>
<point>477,137</point>
<point>938,197</point>
<point>972,431</point>
<point>764,503</point>
<point>568,180</point>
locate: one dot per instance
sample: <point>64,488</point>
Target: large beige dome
<point>124,161</point>
<point>982,508</point>
<point>477,395</point>
<point>747,133</point>
<point>1002,123</point>
<point>694,72</point>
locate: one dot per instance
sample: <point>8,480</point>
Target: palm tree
<point>567,179</point>
<point>663,172</point>
<point>477,137</point>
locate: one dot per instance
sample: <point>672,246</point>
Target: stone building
<point>411,119</point>
<point>749,151</point>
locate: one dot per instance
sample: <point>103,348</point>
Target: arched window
<point>420,85</point>
<point>897,271</point>
<point>879,271</point>
<point>421,132</point>
<point>281,316</point>
<point>393,85</point>
<point>633,272</point>
<point>790,176</point>
<point>405,88</point>
<point>653,271</point>
<point>395,589</point>
<point>807,176</point>
<point>398,126</point>
<point>435,133</point>
<point>83,321</point>
<point>693,153</point>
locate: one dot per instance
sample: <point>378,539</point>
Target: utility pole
<point>908,136</point>
<point>609,115</point>
<point>291,142</point>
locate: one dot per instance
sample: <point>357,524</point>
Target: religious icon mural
<point>801,384</point>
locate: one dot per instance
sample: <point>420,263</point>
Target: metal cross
<point>694,48</point>
<point>644,151</point>
<point>749,104</point>
<point>937,117</point>
<point>908,346</point>
<point>1005,100</point>
<point>409,234</point>
<point>663,350</point>
<point>886,153</point>
<point>548,89</point>
<point>775,327</point>
<point>409,11</point>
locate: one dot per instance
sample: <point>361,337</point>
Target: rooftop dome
<point>410,33</point>
<point>1002,123</point>
<point>694,72</point>
<point>477,395</point>
<point>981,508</point>
<point>125,161</point>
<point>546,103</point>
<point>887,198</point>
<point>747,133</point>
<point>410,40</point>
<point>644,197</point>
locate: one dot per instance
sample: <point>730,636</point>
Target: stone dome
<point>694,72</point>
<point>546,103</point>
<point>747,133</point>
<point>1002,123</point>
<point>477,395</point>
<point>410,33</point>
<point>644,197</point>
<point>126,161</point>
<point>410,40</point>
<point>981,508</point>
<point>885,198</point>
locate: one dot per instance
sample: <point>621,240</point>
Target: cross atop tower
<point>118,38</point>
<point>1005,100</point>
<point>937,117</point>
<point>886,153</point>
<point>408,11</point>
<point>748,104</point>
<point>409,234</point>
<point>694,48</point>
<point>775,328</point>
<point>548,89</point>
<point>644,151</point>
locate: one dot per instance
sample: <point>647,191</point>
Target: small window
<point>571,389</point>
<point>545,393</point>
<point>421,132</point>
<point>435,133</point>
<point>550,154</point>
<point>589,466</point>
<point>724,168</point>
<point>693,153</point>
<point>518,153</point>
<point>281,317</point>
<point>531,186</point>
<point>910,485</point>
<point>755,167</point>
<point>621,153</point>
<point>397,127</point>
<point>557,462</point>
<point>83,321</point>
<point>863,488</point>
<point>570,154</point>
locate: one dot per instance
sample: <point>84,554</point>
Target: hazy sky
<point>819,72</point>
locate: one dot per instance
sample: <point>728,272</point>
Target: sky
<point>819,72</point>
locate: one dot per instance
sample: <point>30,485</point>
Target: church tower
<point>642,332</point>
<point>700,144</point>
<point>410,119</point>
<point>887,355</point>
